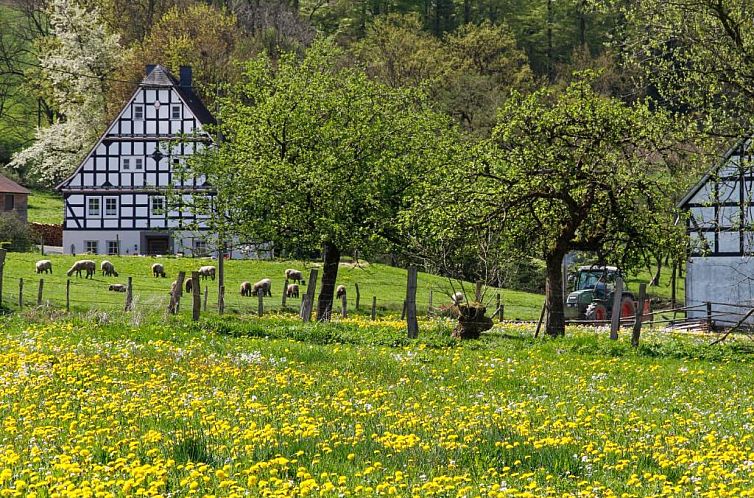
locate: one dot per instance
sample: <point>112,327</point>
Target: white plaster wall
<point>717,279</point>
<point>128,239</point>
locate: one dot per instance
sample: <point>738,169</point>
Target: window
<point>138,112</point>
<point>113,247</point>
<point>158,205</point>
<point>10,202</point>
<point>92,246</point>
<point>111,206</point>
<point>200,247</point>
<point>94,207</point>
<point>126,163</point>
<point>138,162</point>
<point>175,111</point>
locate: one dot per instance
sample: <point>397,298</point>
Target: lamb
<point>158,270</point>
<point>44,266</point>
<point>265,284</point>
<point>292,290</point>
<point>117,288</point>
<point>294,276</point>
<point>340,291</point>
<point>82,265</point>
<point>246,289</point>
<point>457,298</point>
<point>108,269</point>
<point>207,271</point>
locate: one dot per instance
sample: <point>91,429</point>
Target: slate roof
<point>160,76</point>
<point>8,186</point>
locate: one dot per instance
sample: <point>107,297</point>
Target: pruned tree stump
<point>471,321</point>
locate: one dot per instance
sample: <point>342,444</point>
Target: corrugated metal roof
<point>8,186</point>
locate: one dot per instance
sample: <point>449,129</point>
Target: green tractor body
<point>594,294</point>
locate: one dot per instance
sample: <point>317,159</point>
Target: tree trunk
<point>555,325</point>
<point>656,278</point>
<point>331,258</point>
<point>550,56</point>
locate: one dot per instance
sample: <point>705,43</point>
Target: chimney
<point>150,68</point>
<point>185,80</point>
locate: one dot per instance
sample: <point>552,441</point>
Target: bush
<point>15,235</point>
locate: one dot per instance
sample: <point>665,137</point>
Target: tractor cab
<point>593,294</point>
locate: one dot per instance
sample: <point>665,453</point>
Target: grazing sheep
<point>265,284</point>
<point>294,276</point>
<point>44,266</point>
<point>340,291</point>
<point>207,271</point>
<point>83,265</point>
<point>292,290</point>
<point>457,298</point>
<point>189,286</point>
<point>158,270</point>
<point>108,269</point>
<point>246,289</point>
<point>117,288</point>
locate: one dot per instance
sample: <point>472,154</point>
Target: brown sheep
<point>108,269</point>
<point>340,291</point>
<point>44,266</point>
<point>265,284</point>
<point>158,270</point>
<point>83,265</point>
<point>294,276</point>
<point>189,286</point>
<point>292,290</point>
<point>246,289</point>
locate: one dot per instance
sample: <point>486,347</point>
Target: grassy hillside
<point>173,409</point>
<point>45,207</point>
<point>384,282</point>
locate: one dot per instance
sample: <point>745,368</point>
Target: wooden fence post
<point>196,293</point>
<point>358,296</point>
<point>639,315</point>
<point>478,291</point>
<point>206,294</point>
<point>403,310</point>
<point>220,278</point>
<point>615,318</point>
<point>498,310</point>
<point>412,322</point>
<point>129,294</point>
<point>2,267</point>
<point>343,306</point>
<point>374,307</point>
<point>20,293</point>
<point>260,293</point>
<point>221,299</point>
<point>709,316</point>
<point>39,291</point>
<point>284,293</point>
<point>541,318</point>
<point>429,306</point>
<point>175,296</point>
<point>68,295</point>
<point>308,303</point>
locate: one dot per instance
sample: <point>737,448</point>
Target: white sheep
<point>294,276</point>
<point>108,269</point>
<point>44,266</point>
<point>246,289</point>
<point>158,270</point>
<point>457,298</point>
<point>207,271</point>
<point>83,265</point>
<point>292,290</point>
<point>265,284</point>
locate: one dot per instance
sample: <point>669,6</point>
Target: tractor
<point>593,295</point>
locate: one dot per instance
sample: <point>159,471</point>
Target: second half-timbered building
<point>720,224</point>
<point>115,201</point>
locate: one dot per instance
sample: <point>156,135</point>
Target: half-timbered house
<point>115,201</point>
<point>720,224</point>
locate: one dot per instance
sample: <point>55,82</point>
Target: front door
<point>158,245</point>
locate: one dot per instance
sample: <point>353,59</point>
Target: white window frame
<point>95,243</point>
<point>158,210</point>
<point>173,108</point>
<point>116,243</point>
<point>90,209</point>
<point>125,163</point>
<point>199,247</point>
<point>114,212</point>
<point>140,107</point>
<point>139,163</point>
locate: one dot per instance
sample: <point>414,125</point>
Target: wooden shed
<point>13,198</point>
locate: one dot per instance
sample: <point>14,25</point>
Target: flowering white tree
<point>76,60</point>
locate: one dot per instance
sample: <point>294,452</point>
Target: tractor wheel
<point>596,312</point>
<point>627,307</point>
